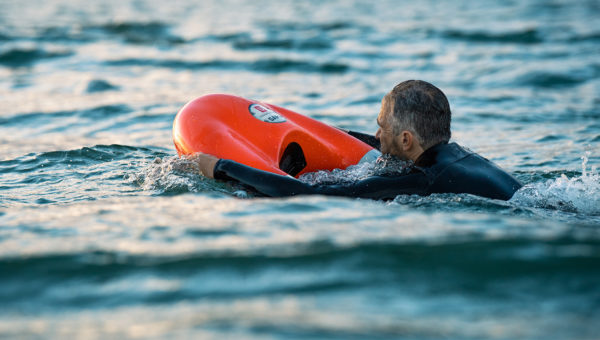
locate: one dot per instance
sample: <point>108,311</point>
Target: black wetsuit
<point>443,168</point>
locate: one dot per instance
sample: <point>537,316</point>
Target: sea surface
<point>106,234</point>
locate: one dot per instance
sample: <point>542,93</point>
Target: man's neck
<point>414,153</point>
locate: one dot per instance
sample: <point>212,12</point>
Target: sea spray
<point>577,194</point>
<point>385,165</point>
<point>174,175</point>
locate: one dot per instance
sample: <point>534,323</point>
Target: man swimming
<point>414,125</point>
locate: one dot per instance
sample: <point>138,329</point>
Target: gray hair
<point>421,108</point>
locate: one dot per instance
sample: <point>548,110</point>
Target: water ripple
<point>262,65</point>
<point>528,36</point>
<point>23,57</point>
<point>137,32</point>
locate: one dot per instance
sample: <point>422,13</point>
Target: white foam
<point>383,166</point>
<point>171,174</point>
<point>577,194</point>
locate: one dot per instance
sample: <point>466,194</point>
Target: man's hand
<point>206,163</point>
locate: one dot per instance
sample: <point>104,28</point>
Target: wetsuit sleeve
<point>366,138</point>
<point>274,185</point>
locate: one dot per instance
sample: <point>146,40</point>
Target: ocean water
<point>106,234</point>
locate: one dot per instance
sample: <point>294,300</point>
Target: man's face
<point>385,133</point>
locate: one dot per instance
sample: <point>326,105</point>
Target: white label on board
<point>265,114</point>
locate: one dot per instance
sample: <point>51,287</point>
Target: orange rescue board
<point>263,136</point>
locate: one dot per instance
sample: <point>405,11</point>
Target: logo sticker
<point>265,114</point>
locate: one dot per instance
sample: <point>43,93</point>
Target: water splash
<point>577,194</point>
<point>385,165</point>
<point>174,175</point>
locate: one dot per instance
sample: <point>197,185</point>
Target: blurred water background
<point>105,233</point>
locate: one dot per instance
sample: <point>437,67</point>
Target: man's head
<point>414,116</point>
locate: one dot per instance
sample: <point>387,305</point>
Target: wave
<point>537,117</point>
<point>83,174</point>
<point>137,32</point>
<point>544,79</point>
<point>85,155</point>
<point>286,44</point>
<point>23,57</point>
<point>461,256</point>
<point>527,36</point>
<point>285,35</point>
<point>99,85</point>
<point>132,32</point>
<point>578,194</point>
<point>592,37</point>
<point>296,26</point>
<point>470,268</point>
<point>174,175</point>
<point>43,118</point>
<point>263,65</point>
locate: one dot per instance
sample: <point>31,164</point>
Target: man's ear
<point>407,139</point>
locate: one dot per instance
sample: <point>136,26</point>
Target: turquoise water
<point>105,233</point>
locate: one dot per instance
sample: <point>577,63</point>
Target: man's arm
<point>270,184</point>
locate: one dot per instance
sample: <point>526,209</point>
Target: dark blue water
<point>105,233</point>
